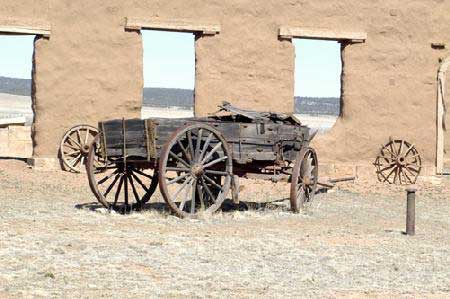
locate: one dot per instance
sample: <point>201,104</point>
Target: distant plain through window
<point>169,74</point>
<point>318,73</point>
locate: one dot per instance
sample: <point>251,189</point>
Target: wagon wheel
<point>74,147</point>
<point>304,179</point>
<point>399,163</point>
<point>195,170</point>
<point>117,185</point>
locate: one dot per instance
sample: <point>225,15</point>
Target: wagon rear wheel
<point>195,171</point>
<point>116,185</point>
<point>304,179</point>
<point>74,147</point>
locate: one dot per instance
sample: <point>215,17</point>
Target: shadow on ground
<point>228,206</point>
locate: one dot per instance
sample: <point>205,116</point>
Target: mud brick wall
<point>90,68</point>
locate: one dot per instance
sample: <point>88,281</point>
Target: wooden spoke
<point>412,169</point>
<point>214,172</point>
<point>210,194</point>
<point>212,163</point>
<point>86,138</point>
<point>185,153</point>
<point>409,180</point>
<point>179,169</point>
<point>82,160</point>
<point>72,153</point>
<point>176,180</point>
<point>212,182</point>
<point>74,161</point>
<point>125,195</point>
<point>190,144</point>
<point>70,146</point>
<point>211,153</point>
<point>194,189</point>
<point>106,178</point>
<point>138,180</point>
<point>197,146</point>
<point>133,188</point>
<point>179,159</point>
<point>200,197</point>
<point>185,183</point>
<point>390,174</point>
<point>386,158</point>
<point>401,147</point>
<point>74,141</point>
<point>112,185</point>
<point>386,168</point>
<point>186,197</point>
<point>205,146</point>
<point>119,188</point>
<point>143,174</point>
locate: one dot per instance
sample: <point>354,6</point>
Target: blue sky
<point>16,54</point>
<point>169,61</point>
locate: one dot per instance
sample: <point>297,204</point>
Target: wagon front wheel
<point>195,171</point>
<point>119,186</point>
<point>304,179</point>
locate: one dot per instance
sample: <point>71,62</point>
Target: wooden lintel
<point>287,32</point>
<point>172,25</point>
<point>25,27</point>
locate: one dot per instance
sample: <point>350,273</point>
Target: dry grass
<point>54,242</point>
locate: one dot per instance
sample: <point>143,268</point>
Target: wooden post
<point>440,116</point>
<point>411,211</point>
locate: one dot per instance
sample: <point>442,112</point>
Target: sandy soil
<point>56,242</point>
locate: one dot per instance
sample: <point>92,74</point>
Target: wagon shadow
<point>96,207</point>
<point>228,206</point>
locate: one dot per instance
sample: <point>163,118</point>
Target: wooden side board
<point>31,27</point>
<point>172,25</point>
<point>287,32</point>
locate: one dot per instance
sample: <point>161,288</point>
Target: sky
<point>169,61</point>
<point>16,54</point>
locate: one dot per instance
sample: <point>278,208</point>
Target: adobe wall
<point>91,68</point>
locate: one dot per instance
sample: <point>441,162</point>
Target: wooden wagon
<point>196,161</point>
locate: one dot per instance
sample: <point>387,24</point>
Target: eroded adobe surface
<point>91,68</point>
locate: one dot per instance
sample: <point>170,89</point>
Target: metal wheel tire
<point>195,171</point>
<point>74,147</point>
<point>304,179</point>
<point>399,162</point>
<point>118,186</point>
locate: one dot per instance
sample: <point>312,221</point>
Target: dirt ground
<point>56,242</point>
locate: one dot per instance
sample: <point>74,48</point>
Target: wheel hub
<point>401,161</point>
<point>85,149</point>
<point>197,170</point>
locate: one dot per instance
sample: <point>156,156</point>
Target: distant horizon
<point>183,89</point>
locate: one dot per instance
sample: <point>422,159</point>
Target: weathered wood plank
<point>22,26</point>
<point>172,25</point>
<point>288,32</point>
